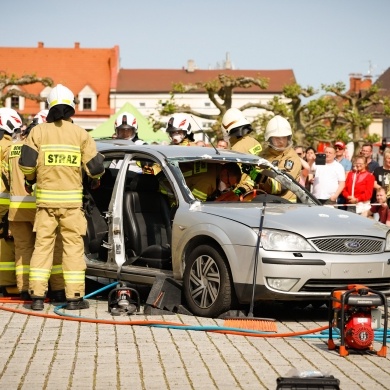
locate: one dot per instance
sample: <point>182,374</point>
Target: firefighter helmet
<point>41,116</point>
<point>61,95</point>
<point>9,120</point>
<point>235,124</point>
<point>278,127</point>
<point>126,121</point>
<point>179,122</point>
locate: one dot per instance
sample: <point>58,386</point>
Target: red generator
<point>354,311</point>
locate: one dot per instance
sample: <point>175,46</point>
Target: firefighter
<point>21,220</point>
<point>280,153</point>
<point>54,154</point>
<point>238,129</point>
<point>126,127</point>
<point>9,122</point>
<point>179,130</point>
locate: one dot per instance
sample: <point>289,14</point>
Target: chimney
<point>191,66</point>
<point>40,45</point>
<point>77,45</point>
<point>367,82</point>
<point>355,80</point>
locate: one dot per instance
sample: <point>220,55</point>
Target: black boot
<point>77,304</point>
<point>37,303</point>
<point>57,296</point>
<point>25,296</point>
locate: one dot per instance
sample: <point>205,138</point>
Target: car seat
<point>147,225</point>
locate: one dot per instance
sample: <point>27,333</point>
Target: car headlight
<point>387,248</point>
<point>277,240</point>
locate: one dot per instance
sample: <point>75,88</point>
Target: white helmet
<point>234,121</point>
<point>179,122</point>
<point>60,95</point>
<point>9,120</point>
<point>278,127</point>
<point>126,121</point>
<point>41,116</point>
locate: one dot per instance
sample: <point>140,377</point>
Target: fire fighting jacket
<point>55,154</point>
<point>201,179</point>
<point>5,143</point>
<point>22,205</point>
<point>247,144</point>
<point>286,160</point>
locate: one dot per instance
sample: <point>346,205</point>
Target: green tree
<point>220,92</point>
<point>337,114</point>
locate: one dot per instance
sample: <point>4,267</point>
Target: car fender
<point>183,236</point>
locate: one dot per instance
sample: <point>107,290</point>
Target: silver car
<point>141,226</point>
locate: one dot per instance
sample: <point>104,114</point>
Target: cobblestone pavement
<point>55,353</point>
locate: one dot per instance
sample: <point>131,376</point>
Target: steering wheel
<point>248,196</point>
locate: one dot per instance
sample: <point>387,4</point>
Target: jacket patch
<point>65,159</point>
<point>15,151</point>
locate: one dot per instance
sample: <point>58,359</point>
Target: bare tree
<point>8,82</point>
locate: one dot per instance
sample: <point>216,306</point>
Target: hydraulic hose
<point>167,324</point>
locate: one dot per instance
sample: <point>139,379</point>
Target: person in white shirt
<point>329,179</point>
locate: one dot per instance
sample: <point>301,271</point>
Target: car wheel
<point>207,282</point>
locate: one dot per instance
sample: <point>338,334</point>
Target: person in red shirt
<point>382,209</point>
<point>359,186</point>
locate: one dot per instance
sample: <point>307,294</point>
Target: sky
<point>322,41</point>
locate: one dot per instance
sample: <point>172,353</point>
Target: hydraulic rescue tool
<point>123,300</point>
<point>354,311</point>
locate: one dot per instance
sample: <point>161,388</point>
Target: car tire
<point>207,282</point>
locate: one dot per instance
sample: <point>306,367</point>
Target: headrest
<point>144,183</point>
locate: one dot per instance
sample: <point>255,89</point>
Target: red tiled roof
<point>384,81</point>
<point>162,80</point>
<point>73,67</point>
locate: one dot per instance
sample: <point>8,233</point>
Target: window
<point>87,99</point>
<point>207,104</point>
<point>87,103</point>
<point>15,102</point>
<point>142,104</point>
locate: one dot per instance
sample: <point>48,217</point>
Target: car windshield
<point>238,179</point>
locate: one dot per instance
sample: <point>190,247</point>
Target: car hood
<point>309,221</point>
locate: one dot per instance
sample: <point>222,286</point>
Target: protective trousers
<point>7,263</point>
<point>72,225</point>
<point>24,241</point>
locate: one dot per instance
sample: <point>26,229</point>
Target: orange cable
<point>149,322</point>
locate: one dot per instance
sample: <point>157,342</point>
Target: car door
<point>115,220</point>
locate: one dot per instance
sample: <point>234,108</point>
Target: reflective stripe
<point>199,194</point>
<point>4,195</point>
<point>51,196</point>
<point>28,170</point>
<point>22,269</point>
<point>62,101</point>
<point>60,147</point>
<point>22,205</point>
<point>7,266</point>
<point>56,269</point>
<point>74,276</point>
<point>22,202</point>
<point>39,274</point>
